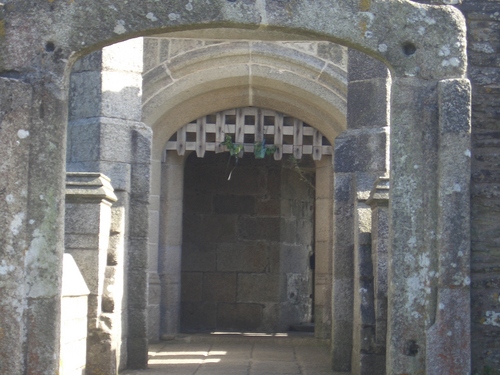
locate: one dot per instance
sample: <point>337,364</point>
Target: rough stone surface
<point>422,44</point>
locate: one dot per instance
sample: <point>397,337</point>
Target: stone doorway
<point>246,245</point>
<point>245,258</point>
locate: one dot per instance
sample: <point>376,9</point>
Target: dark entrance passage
<point>247,242</point>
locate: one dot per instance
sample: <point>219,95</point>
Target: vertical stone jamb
<point>342,271</point>
<point>170,243</point>
<point>413,211</point>
<point>379,203</point>
<point>15,106</point>
<point>360,157</point>
<point>448,339</point>
<point>45,222</point>
<point>323,248</point>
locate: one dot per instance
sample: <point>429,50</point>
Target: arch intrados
<point>379,28</point>
<point>216,101</point>
<point>180,111</point>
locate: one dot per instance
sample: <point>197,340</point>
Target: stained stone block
<point>368,104</point>
<point>141,139</point>
<point>234,204</point>
<point>42,342</point>
<point>354,150</point>
<point>153,323</point>
<point>139,219</point>
<point>89,62</point>
<point>178,46</point>
<point>89,104</point>
<point>241,316</point>
<point>154,289</point>
<point>341,345</point>
<point>192,283</point>
<point>198,203</point>
<point>324,224</point>
<point>15,153</point>
<point>253,228</point>
<point>81,241</point>
<point>164,49</point>
<point>150,56</point>
<point>270,317</point>
<point>334,77</point>
<point>219,228</point>
<point>81,218</point>
<point>115,140</point>
<point>363,67</point>
<point>219,287</point>
<point>294,259</point>
<point>83,141</point>
<point>198,316</point>
<point>155,80</point>
<point>137,288</point>
<point>288,231</point>
<point>342,294</point>
<point>137,352</point>
<point>138,253</point>
<point>323,250</point>
<point>257,288</point>
<point>244,257</point>
<point>199,257</point>
<point>335,53</point>
<point>372,364</point>
<point>268,207</point>
<point>137,322</point>
<point>196,59</point>
<point>272,54</point>
<point>170,260</point>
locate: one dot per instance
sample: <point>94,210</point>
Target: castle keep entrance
<point>248,244</point>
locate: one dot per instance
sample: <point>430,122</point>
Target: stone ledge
<point>89,186</point>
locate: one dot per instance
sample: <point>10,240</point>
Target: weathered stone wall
<point>483,49</point>
<point>246,245</point>
<point>423,45</point>
<point>105,135</point>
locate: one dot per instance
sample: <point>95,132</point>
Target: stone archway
<point>282,253</point>
<point>425,49</point>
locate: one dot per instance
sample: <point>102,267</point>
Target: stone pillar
<point>105,134</point>
<point>170,243</point>
<point>31,223</point>
<point>412,273</point>
<point>323,242</point>
<point>342,271</point>
<point>360,156</point>
<point>379,203</point>
<point>428,307</point>
<point>448,339</point>
<point>89,197</point>
<point>14,226</point>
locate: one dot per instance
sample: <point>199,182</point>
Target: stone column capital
<point>379,196</point>
<point>89,186</point>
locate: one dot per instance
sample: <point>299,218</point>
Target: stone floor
<point>239,354</point>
